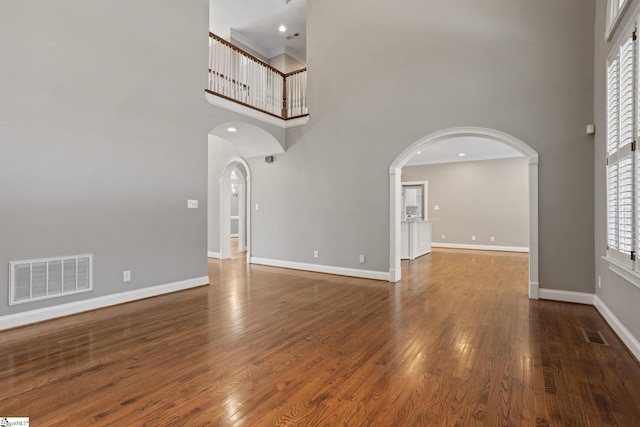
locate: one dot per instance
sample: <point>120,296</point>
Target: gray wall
<point>482,198</point>
<point>524,68</point>
<point>621,297</point>
<point>103,138</point>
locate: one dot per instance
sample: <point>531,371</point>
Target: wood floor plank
<point>456,343</point>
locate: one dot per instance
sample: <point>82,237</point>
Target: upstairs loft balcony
<point>240,82</point>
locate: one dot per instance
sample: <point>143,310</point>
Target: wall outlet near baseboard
<point>599,282</point>
<point>362,259</point>
<point>126,276</point>
<point>316,254</point>
<point>443,237</point>
<point>493,238</point>
<point>473,237</point>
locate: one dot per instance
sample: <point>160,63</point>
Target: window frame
<point>615,11</point>
<point>622,135</point>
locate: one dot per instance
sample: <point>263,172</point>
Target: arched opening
<point>395,189</point>
<point>235,183</point>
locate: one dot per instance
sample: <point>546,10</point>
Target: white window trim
<point>629,271</point>
<point>633,277</point>
<point>614,16</point>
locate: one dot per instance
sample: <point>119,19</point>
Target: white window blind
<point>621,130</point>
<point>612,154</point>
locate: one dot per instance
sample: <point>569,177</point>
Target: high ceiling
<point>255,23</point>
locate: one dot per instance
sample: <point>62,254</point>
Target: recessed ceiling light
<point>462,154</point>
<point>282,28</point>
<point>231,129</point>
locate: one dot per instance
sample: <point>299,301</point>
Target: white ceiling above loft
<point>249,140</point>
<point>255,23</point>
<point>474,148</point>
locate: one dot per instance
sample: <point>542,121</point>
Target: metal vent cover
<point>38,279</point>
<point>594,337</point>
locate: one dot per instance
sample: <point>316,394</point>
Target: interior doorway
<point>235,217</point>
<point>395,176</point>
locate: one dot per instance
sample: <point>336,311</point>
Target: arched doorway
<point>395,191</point>
<point>239,167</point>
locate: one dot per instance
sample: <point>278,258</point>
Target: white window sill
<point>623,271</point>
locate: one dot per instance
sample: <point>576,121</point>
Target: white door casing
<point>395,190</point>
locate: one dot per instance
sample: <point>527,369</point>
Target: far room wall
<point>479,198</point>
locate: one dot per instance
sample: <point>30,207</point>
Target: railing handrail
<point>301,70</point>
<point>258,60</point>
<point>244,52</point>
<point>286,109</point>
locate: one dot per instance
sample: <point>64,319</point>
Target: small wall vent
<point>38,279</point>
<point>594,337</point>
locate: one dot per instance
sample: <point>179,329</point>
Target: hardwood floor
<point>456,343</point>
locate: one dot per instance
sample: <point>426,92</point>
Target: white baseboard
<point>566,296</point>
<point>627,337</point>
<point>340,271</point>
<point>40,315</point>
<point>213,255</point>
<point>480,247</point>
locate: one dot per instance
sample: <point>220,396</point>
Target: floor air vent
<point>594,337</point>
<point>39,279</point>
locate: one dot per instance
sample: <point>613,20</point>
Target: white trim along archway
<point>395,172</point>
<point>225,197</point>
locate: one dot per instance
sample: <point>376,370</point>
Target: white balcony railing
<point>240,77</point>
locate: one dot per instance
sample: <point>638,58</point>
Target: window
<point>623,173</point>
<point>615,11</point>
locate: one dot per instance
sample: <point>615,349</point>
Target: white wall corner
<point>625,335</point>
<point>394,275</point>
<point>48,313</point>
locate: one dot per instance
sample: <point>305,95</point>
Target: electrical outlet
<point>192,204</point>
<point>473,237</point>
<point>436,207</point>
<point>316,254</point>
<point>126,276</point>
<point>443,237</point>
<point>362,259</point>
<point>599,282</point>
<point>493,238</point>
<point>257,206</point>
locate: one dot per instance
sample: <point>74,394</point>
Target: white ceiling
<point>474,149</point>
<point>249,140</point>
<point>255,24</point>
